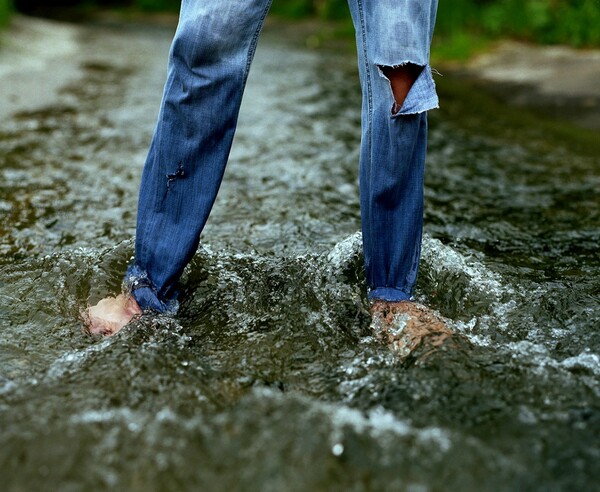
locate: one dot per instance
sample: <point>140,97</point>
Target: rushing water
<point>269,378</point>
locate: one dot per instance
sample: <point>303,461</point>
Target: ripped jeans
<point>209,62</point>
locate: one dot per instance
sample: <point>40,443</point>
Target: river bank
<point>556,81</point>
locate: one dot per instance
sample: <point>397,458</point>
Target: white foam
<point>344,251</point>
<point>104,416</point>
<point>585,360</point>
<point>378,423</point>
<point>72,361</point>
<point>7,387</point>
<point>442,258</point>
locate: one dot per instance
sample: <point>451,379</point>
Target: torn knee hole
<point>401,78</point>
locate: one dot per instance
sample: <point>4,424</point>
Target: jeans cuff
<point>390,294</point>
<point>140,286</point>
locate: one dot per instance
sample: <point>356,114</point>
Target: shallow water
<point>269,378</point>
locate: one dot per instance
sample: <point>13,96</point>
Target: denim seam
<point>368,82</point>
<point>363,30</point>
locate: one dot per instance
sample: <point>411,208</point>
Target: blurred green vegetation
<point>42,7</point>
<point>157,5</point>
<point>466,26</point>
<point>5,10</point>
<point>572,22</point>
<point>325,9</point>
<point>462,25</point>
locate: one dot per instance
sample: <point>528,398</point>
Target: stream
<point>269,378</point>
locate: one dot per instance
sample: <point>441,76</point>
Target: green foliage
<point>580,23</point>
<point>157,5</point>
<point>293,9</point>
<point>457,45</point>
<point>5,11</point>
<point>324,9</point>
<point>332,9</point>
<point>574,22</point>
<point>455,15</point>
<point>466,26</point>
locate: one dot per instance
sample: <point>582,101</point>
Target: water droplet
<point>337,449</point>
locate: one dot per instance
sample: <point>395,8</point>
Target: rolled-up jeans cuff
<point>390,294</point>
<point>139,285</point>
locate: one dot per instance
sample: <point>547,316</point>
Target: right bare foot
<point>409,327</point>
<point>110,315</point>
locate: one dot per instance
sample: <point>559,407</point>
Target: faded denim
<point>209,62</point>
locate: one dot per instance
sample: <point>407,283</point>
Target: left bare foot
<point>408,326</point>
<point>111,314</point>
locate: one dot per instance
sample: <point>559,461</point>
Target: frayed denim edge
<point>138,284</point>
<point>423,85</point>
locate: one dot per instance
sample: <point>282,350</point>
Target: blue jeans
<point>209,62</point>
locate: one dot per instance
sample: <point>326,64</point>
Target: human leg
<point>393,40</point>
<point>208,66</point>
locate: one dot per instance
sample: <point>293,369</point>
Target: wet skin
<point>408,327</point>
<point>111,314</point>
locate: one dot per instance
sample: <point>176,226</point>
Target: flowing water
<point>269,379</point>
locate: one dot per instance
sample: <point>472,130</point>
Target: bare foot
<point>111,314</point>
<point>408,326</point>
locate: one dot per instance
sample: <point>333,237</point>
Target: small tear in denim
<point>180,173</point>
